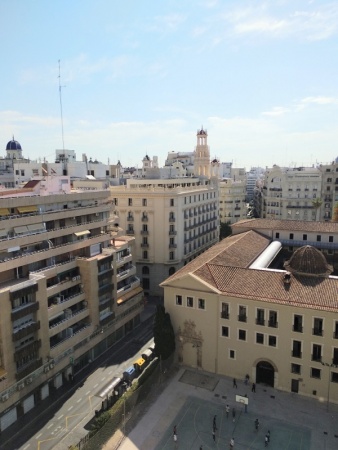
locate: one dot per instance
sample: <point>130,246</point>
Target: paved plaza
<point>192,399</point>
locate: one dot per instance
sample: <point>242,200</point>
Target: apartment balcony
<point>225,315</point>
<point>124,259</point>
<point>172,245</point>
<point>74,337</point>
<point>317,332</point>
<point>28,368</point>
<point>130,218</point>
<point>296,353</point>
<point>297,328</point>
<point>172,219</point>
<point>272,324</point>
<point>68,321</point>
<point>144,232</point>
<point>25,330</point>
<point>130,232</point>
<point>143,245</point>
<point>125,273</point>
<point>242,318</point>
<point>27,350</point>
<point>144,218</point>
<point>62,286</point>
<point>317,358</point>
<point>260,321</point>
<point>335,361</point>
<point>24,310</point>
<point>134,283</point>
<point>173,233</point>
<point>63,302</point>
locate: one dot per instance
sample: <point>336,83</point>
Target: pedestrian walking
<point>227,409</point>
<point>256,424</point>
<point>232,443</point>
<point>247,378</point>
<point>268,435</point>
<point>214,426</point>
<point>234,383</point>
<point>175,438</point>
<point>245,404</point>
<point>253,387</point>
<point>175,430</point>
<point>233,414</point>
<point>266,440</point>
<point>201,447</point>
<point>214,435</point>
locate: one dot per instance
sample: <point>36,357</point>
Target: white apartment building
<point>172,220</point>
<point>68,288</point>
<point>290,193</point>
<point>232,205</point>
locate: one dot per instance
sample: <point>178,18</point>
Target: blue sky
<point>141,77</point>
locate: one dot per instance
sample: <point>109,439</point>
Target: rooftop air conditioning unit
<point>21,386</point>
<point>51,365</point>
<point>29,380</point>
<point>4,397</point>
<point>46,369</point>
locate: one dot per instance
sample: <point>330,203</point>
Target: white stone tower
<point>202,155</point>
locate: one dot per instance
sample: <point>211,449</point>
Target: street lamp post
<point>329,382</point>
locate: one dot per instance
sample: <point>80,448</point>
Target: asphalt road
<point>63,421</point>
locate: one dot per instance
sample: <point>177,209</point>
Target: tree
<point>224,230</point>
<point>335,213</point>
<point>317,203</point>
<point>164,336</point>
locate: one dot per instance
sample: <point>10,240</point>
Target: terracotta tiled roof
<point>288,225</point>
<point>239,250</point>
<point>268,286</point>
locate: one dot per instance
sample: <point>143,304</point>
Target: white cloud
<point>276,111</point>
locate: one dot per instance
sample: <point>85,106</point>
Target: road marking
<point>26,446</point>
<point>70,408</point>
<point>50,425</point>
<point>80,399</point>
<point>102,379</point>
<point>60,417</point>
<point>96,385</point>
<point>87,393</point>
<point>37,437</point>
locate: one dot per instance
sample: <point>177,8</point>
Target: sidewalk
<point>281,406</point>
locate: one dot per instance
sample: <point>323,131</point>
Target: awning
<point>36,227</point>
<point>129,295</point>
<point>4,211</point>
<point>27,209</point>
<point>82,233</point>
<point>20,230</point>
<point>3,234</point>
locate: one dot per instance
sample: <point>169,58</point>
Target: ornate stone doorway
<point>190,336</point>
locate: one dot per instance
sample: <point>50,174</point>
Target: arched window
<point>145,270</point>
<point>172,271</point>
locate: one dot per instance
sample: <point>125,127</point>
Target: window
<point>225,331</point>
<point>277,235</point>
<point>190,302</point>
<point>232,353</point>
<point>260,317</point>
<point>272,341</point>
<point>179,300</point>
<point>315,373</point>
<point>225,312</point>
<point>201,303</point>
<point>145,254</point>
<point>291,235</point>
<point>171,256</point>
<point>259,338</point>
<point>145,270</point>
<point>242,335</point>
<point>335,332</point>
<point>144,202</point>
<point>330,238</point>
<point>242,313</point>
<point>172,270</point>
<point>304,237</point>
<point>334,377</point>
<point>145,283</point>
<point>273,319</point>
<point>172,202</point>
<point>296,349</point>
<point>145,227</point>
<point>319,238</point>
<point>316,352</point>
<point>296,368</point>
<point>298,323</point>
<point>145,240</point>
<point>130,202</point>
<point>317,327</point>
<point>16,172</point>
<point>335,356</point>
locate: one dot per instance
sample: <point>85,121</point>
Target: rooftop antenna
<point>60,94</point>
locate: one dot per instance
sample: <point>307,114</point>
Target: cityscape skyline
<point>141,79</point>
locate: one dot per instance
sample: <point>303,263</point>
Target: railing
<point>296,354</point>
<point>297,328</point>
<point>316,358</point>
<point>273,324</point>
<point>242,318</point>
<point>25,330</point>
<point>64,300</point>
<point>260,321</point>
<point>225,315</point>
<point>70,337</point>
<point>317,332</point>
<point>71,316</point>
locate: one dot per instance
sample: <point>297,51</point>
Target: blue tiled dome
<point>13,145</point>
